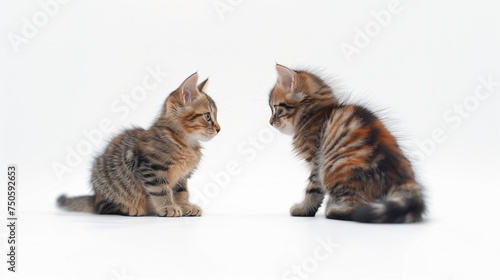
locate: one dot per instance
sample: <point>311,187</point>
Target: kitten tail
<point>401,208</point>
<point>79,203</point>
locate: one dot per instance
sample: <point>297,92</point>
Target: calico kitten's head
<point>192,110</point>
<point>292,92</point>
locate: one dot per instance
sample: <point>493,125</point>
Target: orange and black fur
<point>352,156</point>
<point>145,172</point>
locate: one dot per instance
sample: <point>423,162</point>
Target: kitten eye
<point>284,105</point>
<point>207,116</point>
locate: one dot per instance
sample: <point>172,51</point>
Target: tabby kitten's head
<point>192,111</point>
<point>293,91</point>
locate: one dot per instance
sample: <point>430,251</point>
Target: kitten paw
<point>191,210</point>
<point>299,210</point>
<point>170,211</point>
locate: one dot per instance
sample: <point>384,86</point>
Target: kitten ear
<point>286,77</point>
<point>202,85</point>
<point>188,89</point>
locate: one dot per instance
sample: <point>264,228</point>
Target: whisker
<point>180,128</point>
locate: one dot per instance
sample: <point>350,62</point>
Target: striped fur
<point>352,156</point>
<point>145,172</point>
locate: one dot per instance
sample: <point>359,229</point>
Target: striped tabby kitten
<point>353,157</point>
<point>145,172</point>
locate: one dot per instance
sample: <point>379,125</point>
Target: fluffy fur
<point>145,172</point>
<point>352,156</point>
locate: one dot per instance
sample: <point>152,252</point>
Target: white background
<point>63,80</point>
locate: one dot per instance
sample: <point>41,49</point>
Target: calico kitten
<point>145,172</point>
<point>352,156</point>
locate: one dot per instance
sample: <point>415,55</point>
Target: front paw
<point>300,210</point>
<point>191,210</point>
<point>170,211</point>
